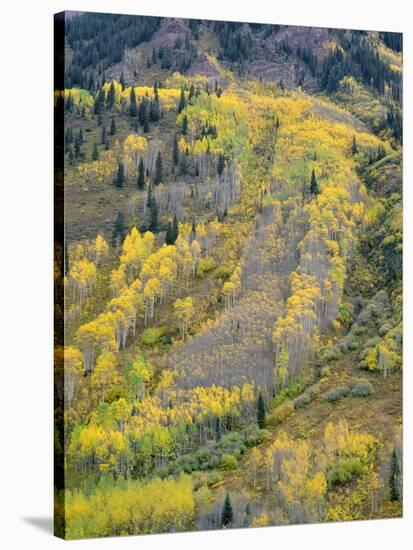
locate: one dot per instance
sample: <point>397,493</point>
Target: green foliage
<point>335,394</point>
<point>152,336</point>
<point>261,411</point>
<point>227,515</point>
<point>345,472</point>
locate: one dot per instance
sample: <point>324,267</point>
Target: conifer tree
<point>261,411</point>
<point>175,154</point>
<point>153,211</point>
<point>354,147</point>
<point>169,235</point>
<point>181,104</point>
<point>393,477</point>
<point>158,169</point>
<point>193,231</point>
<point>141,175</point>
<point>122,81</point>
<point>154,112</point>
<point>104,136</point>
<point>113,127</point>
<point>227,515</point>
<point>314,189</point>
<point>119,230</point>
<point>221,164</point>
<point>111,96</point>
<point>185,125</point>
<point>133,110</point>
<point>120,177</point>
<point>95,152</point>
<point>175,229</point>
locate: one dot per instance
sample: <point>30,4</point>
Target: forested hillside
<point>232,276</point>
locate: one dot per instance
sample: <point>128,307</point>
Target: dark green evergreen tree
<point>182,103</point>
<point>113,127</point>
<point>133,109</point>
<point>393,477</point>
<point>169,234</point>
<point>158,169</point>
<point>261,413</point>
<point>153,212</point>
<point>120,176</point>
<point>175,154</point>
<point>122,81</point>
<point>354,148</point>
<point>314,189</point>
<point>141,175</point>
<point>95,152</point>
<point>119,230</point>
<point>185,125</point>
<point>154,111</point>
<point>221,164</point>
<point>111,96</point>
<point>175,229</point>
<point>227,515</point>
<point>104,136</point>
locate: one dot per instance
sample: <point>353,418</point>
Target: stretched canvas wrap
<point>228,275</point>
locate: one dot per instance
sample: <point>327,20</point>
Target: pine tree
<point>181,104</point>
<point>221,164</point>
<point>113,127</point>
<point>104,136</point>
<point>133,110</point>
<point>99,100</point>
<point>95,152</point>
<point>122,81</point>
<point>191,92</point>
<point>120,177</point>
<point>119,230</point>
<point>153,212</point>
<point>141,175</point>
<point>185,125</point>
<point>314,189</point>
<point>175,154</point>
<point>154,112</point>
<point>393,477</point>
<point>175,229</point>
<point>261,411</point>
<point>193,231</point>
<point>143,111</point>
<point>146,124</point>
<point>184,164</point>
<point>169,235</point>
<point>111,95</point>
<point>227,515</point>
<point>354,148</point>
<point>158,169</point>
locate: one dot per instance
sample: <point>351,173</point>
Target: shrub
<point>214,477</point>
<point>345,472</point>
<point>331,354</point>
<point>228,462</point>
<point>384,329</point>
<point>313,391</point>
<point>151,336</point>
<point>281,413</point>
<point>336,394</point>
<point>325,371</point>
<point>292,390</point>
<point>302,401</point>
<point>361,388</point>
<point>204,265</point>
<point>223,271</point>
